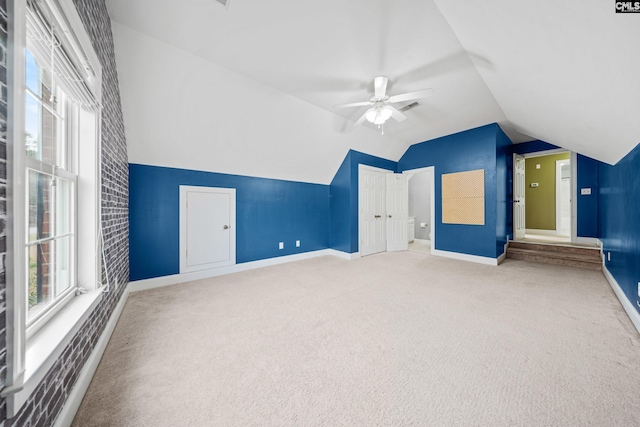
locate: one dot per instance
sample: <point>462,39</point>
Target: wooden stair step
<point>557,258</point>
<point>556,248</point>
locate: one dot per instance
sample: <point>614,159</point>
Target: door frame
<point>374,169</point>
<point>559,198</point>
<point>573,158</point>
<point>431,170</point>
<point>184,190</point>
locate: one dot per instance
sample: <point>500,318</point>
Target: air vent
<point>225,3</point>
<point>410,106</point>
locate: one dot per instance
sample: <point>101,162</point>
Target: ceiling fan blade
<point>396,114</point>
<point>409,96</point>
<point>380,85</point>
<point>361,119</point>
<point>352,104</point>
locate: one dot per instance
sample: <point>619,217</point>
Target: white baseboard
<point>626,304</point>
<point>71,405</point>
<point>174,279</point>
<point>344,255</point>
<point>588,241</point>
<point>503,256</point>
<point>423,241</point>
<point>465,257</point>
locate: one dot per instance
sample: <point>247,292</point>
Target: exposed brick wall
<point>3,200</point>
<point>45,403</point>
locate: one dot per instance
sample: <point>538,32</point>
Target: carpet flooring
<point>393,339</point>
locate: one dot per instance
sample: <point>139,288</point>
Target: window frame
<point>68,134</point>
<point>31,356</point>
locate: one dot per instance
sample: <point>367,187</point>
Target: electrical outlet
<point>608,256</point>
<point>281,245</point>
<point>297,243</point>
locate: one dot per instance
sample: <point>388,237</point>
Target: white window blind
<point>76,78</point>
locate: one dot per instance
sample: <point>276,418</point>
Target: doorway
<point>382,210</point>
<point>421,205</point>
<point>542,202</point>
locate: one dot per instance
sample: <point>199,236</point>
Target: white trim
<point>157,282</point>
<point>432,171</point>
<point>633,314</point>
<point>74,399</point>
<point>574,197</point>
<point>15,295</point>
<point>503,256</point>
<point>45,347</point>
<point>466,257</point>
<point>541,232</point>
<point>544,153</point>
<point>588,241</point>
<point>423,241</point>
<point>373,168</point>
<point>344,255</point>
<point>558,180</point>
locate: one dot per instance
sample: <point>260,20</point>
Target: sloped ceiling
<point>561,73</point>
<point>566,72</point>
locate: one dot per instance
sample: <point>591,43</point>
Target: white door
<point>207,232</point>
<point>397,212</point>
<point>519,224</point>
<point>563,197</point>
<point>372,210</point>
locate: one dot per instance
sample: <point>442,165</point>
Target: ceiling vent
<point>225,3</point>
<point>410,106</point>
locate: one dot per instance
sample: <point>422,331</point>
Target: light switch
<point>585,191</point>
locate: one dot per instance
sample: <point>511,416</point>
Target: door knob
<point>377,216</point>
<point>389,216</point>
<point>225,227</point>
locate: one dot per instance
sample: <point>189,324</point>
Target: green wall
<point>540,202</point>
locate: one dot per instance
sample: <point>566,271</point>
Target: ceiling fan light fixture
<point>378,115</point>
<point>386,113</point>
<point>371,115</point>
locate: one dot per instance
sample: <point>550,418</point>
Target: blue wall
<point>587,176</point>
<point>619,221</point>
<point>344,199</point>
<point>469,150</point>
<point>268,211</point>
<point>504,191</point>
<point>340,197</point>
<point>587,221</point>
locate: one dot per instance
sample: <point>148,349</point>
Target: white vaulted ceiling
<point>560,73</point>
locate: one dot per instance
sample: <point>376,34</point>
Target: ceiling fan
<point>380,108</point>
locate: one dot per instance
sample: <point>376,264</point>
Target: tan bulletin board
<point>463,197</point>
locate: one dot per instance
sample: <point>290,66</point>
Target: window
<point>50,190</point>
<point>53,204</point>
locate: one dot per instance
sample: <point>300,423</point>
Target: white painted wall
<point>420,203</point>
<point>185,112</point>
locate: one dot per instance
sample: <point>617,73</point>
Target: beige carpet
<point>394,339</point>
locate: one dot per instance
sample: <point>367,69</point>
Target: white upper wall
<point>566,72</point>
<point>185,112</point>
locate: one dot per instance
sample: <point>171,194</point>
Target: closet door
<point>397,212</point>
<point>207,228</point>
